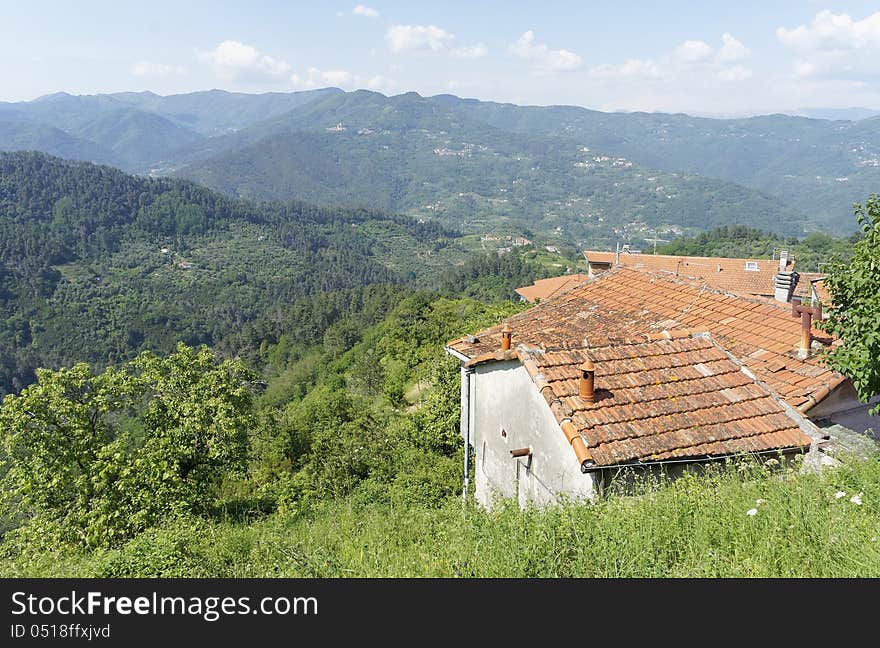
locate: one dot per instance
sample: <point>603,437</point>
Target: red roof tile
<point>719,272</point>
<point>682,398</point>
<point>666,395</point>
<point>627,305</point>
<point>545,288</point>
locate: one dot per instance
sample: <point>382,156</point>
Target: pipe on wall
<point>466,377</point>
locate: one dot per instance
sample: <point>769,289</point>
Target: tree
<point>99,457</point>
<point>854,315</point>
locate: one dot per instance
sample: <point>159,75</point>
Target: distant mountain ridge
<point>136,131</point>
<point>813,169</point>
<point>413,154</point>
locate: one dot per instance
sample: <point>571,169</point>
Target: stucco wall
<point>504,399</point>
<point>843,407</point>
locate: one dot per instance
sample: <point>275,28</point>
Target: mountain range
<point>562,173</point>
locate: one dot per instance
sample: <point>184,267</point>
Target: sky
<point>714,58</point>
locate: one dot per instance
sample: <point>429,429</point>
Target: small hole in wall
<point>504,435</point>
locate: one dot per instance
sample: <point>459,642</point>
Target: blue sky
<point>713,58</point>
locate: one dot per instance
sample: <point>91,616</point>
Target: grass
<point>697,526</point>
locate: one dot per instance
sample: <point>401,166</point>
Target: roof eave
<point>594,467</point>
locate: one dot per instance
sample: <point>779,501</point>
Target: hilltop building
<point>768,278</point>
<point>645,369</point>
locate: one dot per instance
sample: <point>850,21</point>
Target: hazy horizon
<point>861,112</point>
<point>707,59</point>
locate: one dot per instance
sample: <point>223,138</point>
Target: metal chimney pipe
<point>587,382</point>
<point>806,313</point>
<point>506,336</point>
<point>806,332</point>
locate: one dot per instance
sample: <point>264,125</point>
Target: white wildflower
<point>752,512</point>
<point>856,499</point>
<point>839,494</point>
<point>760,501</point>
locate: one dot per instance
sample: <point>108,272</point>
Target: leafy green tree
<point>96,458</point>
<point>854,315</point>
<point>435,425</point>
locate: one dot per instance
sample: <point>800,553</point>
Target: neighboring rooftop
<point>663,400</point>
<point>811,285</point>
<point>743,276</point>
<point>546,288</point>
<point>626,306</point>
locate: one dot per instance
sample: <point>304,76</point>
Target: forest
<point>203,386</point>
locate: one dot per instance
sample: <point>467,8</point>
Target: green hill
<point>413,155</point>
<point>96,265</point>
<point>801,169</point>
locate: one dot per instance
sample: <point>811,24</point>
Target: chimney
<point>784,284</point>
<point>506,336</point>
<point>783,260</point>
<point>807,313</point>
<point>586,384</point>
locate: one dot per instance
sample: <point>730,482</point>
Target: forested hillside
<point>818,167</point>
<point>97,265</point>
<point>561,167</point>
<point>351,467</point>
<point>811,253</point>
<point>482,180</point>
<point>325,419</point>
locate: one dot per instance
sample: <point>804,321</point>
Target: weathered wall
<point>504,400</point>
<point>843,407</point>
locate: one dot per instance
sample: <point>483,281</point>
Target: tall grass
<point>696,526</point>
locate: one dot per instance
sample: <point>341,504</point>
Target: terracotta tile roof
<point>724,274</point>
<point>661,400</point>
<point>546,288</point>
<point>625,306</point>
<point>807,281</point>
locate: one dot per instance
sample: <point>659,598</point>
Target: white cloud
<point>629,69</point>
<point>542,57</point>
<point>693,51</point>
<point>337,77</point>
<point>735,73</point>
<point>689,60</point>
<point>156,70</point>
<point>316,78</point>
<point>367,12</point>
<point>834,47</point>
<point>406,38</point>
<point>803,69</point>
<point>470,51</point>
<point>381,84</point>
<point>460,85</point>
<point>233,60</point>
<point>830,32</point>
<point>731,49</point>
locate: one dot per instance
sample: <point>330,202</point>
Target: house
<point>545,288</point>
<point>642,369</point>
<point>770,278</point>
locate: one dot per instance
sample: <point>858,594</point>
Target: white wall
<point>842,406</point>
<point>503,397</point>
